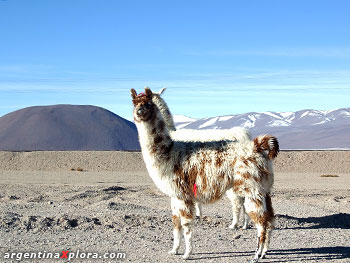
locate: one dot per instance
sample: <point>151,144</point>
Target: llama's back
<point>233,134</point>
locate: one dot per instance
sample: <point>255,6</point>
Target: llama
<point>213,167</point>
<point>234,134</point>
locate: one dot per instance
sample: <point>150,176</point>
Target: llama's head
<point>144,108</point>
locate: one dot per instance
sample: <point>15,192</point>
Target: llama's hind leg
<point>177,227</point>
<point>236,204</point>
<point>270,224</point>
<point>263,219</point>
<point>267,243</point>
<point>261,241</point>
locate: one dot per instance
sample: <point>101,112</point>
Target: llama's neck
<point>164,111</point>
<point>154,137</point>
<point>156,146</point>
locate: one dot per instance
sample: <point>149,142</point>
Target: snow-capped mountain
<point>305,129</point>
<point>182,119</point>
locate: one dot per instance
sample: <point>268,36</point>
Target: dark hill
<point>66,127</point>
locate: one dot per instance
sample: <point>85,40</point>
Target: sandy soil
<point>113,206</point>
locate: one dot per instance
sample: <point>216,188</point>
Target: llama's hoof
<point>173,252</point>
<point>186,256</point>
<point>198,214</point>
<point>254,260</point>
<point>233,226</point>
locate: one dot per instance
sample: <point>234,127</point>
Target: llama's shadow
<point>340,220</point>
<point>318,253</point>
<point>221,254</point>
<point>284,255</point>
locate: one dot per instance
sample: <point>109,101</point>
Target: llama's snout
<point>140,111</point>
<point>143,112</point>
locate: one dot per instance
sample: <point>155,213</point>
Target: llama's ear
<point>133,94</point>
<point>148,92</point>
<point>161,91</point>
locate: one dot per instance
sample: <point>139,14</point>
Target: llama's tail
<point>268,144</point>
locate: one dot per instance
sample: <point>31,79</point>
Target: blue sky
<point>215,57</point>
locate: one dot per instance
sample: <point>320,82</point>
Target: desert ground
<point>105,202</point>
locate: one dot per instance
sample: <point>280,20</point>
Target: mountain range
<point>304,129</point>
<point>85,127</point>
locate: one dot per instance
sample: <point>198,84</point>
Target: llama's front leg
<point>177,235</point>
<point>177,227</point>
<point>186,224</point>
<point>186,211</point>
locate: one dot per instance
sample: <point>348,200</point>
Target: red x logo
<point>64,254</point>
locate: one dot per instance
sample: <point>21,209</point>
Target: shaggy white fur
<point>186,135</point>
<point>213,167</point>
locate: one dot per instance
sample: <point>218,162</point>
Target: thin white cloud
<point>246,81</point>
